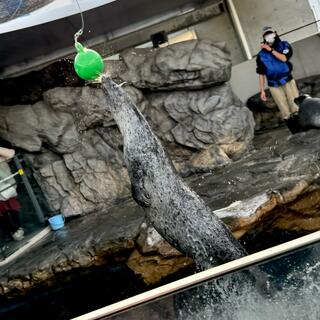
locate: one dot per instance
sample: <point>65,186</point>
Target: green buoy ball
<point>88,63</point>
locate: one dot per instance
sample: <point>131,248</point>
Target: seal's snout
<point>106,84</point>
<point>301,98</point>
<point>109,86</point>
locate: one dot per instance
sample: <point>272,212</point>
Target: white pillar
<point>239,30</point>
<point>315,6</point>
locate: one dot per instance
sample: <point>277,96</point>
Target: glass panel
<point>19,220</point>
<point>292,292</point>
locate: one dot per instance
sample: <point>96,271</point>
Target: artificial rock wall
<point>75,148</point>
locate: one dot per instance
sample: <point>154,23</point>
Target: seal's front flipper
<point>140,196</point>
<point>138,184</point>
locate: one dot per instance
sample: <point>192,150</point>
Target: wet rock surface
<point>72,144</point>
<point>90,241</point>
<point>274,187</point>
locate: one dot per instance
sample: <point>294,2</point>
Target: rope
<point>80,32</point>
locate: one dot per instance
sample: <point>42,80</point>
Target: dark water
<point>293,295</point>
<point>85,290</point>
<point>76,293</point>
<point>79,292</point>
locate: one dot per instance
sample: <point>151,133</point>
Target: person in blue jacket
<point>273,64</point>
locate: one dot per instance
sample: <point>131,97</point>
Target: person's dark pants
<point>10,221</point>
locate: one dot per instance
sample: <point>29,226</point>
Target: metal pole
<point>31,194</point>
<point>239,30</point>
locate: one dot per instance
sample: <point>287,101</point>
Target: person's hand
<point>7,153</point>
<point>263,96</point>
<point>266,47</point>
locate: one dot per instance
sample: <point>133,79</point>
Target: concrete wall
<point>220,28</point>
<point>306,62</point>
<point>217,28</point>
<point>210,23</point>
<point>283,15</point>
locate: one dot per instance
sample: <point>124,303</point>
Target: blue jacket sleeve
<point>287,51</point>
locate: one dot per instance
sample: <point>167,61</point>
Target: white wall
<point>306,62</point>
<point>244,80</point>
<point>220,28</point>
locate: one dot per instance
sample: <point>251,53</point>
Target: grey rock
<point>88,241</point>
<point>86,180</point>
<point>275,186</point>
<point>159,118</point>
<point>203,118</point>
<point>278,162</point>
<point>99,186</point>
<point>209,159</point>
<point>78,185</point>
<point>50,189</point>
<point>78,167</point>
<point>150,242</point>
<point>29,127</point>
<point>87,105</point>
<point>41,159</point>
<point>186,65</point>
<point>64,179</point>
<point>76,205</point>
<point>20,120</point>
<point>76,163</point>
<point>47,171</point>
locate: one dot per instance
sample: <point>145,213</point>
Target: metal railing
<point>20,172</point>
<point>201,277</point>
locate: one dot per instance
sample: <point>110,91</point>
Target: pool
<point>293,276</point>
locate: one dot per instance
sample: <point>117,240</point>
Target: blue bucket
<point>56,222</point>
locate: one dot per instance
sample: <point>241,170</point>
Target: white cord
<point>80,32</point>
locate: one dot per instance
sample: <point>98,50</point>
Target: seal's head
<point>301,98</point>
<point>108,85</point>
<point>115,95</point>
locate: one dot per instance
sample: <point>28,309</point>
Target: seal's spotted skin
<point>175,211</point>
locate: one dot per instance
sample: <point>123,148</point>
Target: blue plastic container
<point>56,222</point>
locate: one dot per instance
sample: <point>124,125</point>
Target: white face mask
<point>270,38</point>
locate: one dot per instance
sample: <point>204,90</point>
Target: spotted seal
<point>175,211</point>
<point>309,111</point>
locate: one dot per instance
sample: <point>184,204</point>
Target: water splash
<point>295,295</point>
